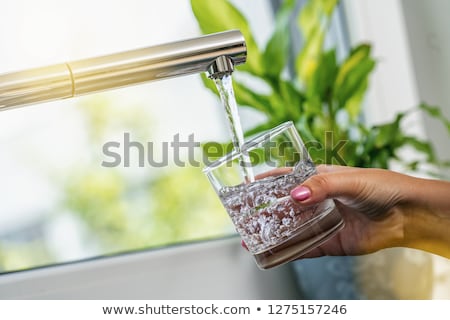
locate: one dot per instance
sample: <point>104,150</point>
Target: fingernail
<point>300,193</point>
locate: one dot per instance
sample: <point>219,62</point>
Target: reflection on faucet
<point>216,54</point>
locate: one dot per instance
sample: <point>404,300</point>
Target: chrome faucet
<point>216,54</point>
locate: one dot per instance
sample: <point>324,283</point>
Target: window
<point>58,202</point>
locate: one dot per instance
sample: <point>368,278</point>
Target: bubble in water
<point>263,212</point>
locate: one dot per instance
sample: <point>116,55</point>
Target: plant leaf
<point>277,49</point>
<point>308,59</point>
<point>354,102</point>
<point>315,14</point>
<point>221,15</point>
<point>422,146</point>
<point>328,6</point>
<point>436,113</point>
<point>352,74</point>
<point>247,97</point>
<point>244,96</point>
<point>322,80</point>
<point>292,98</point>
<point>313,21</point>
<point>389,133</point>
<point>276,54</point>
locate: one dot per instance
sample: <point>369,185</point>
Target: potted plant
<point>323,96</point>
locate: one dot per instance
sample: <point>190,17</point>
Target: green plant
<point>323,96</point>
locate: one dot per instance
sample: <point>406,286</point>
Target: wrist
<point>426,230</point>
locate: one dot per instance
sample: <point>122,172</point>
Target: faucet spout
<point>216,54</point>
<point>220,67</point>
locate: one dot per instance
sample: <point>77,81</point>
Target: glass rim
<point>254,141</point>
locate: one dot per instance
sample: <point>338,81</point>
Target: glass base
<point>306,238</point>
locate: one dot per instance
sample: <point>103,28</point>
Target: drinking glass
<point>254,185</point>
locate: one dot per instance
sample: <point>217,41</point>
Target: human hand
<point>365,198</point>
<point>381,209</point>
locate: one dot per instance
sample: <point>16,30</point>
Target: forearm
<point>427,216</point>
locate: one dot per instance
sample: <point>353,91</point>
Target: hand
<point>381,209</point>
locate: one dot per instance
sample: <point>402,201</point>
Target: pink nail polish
<point>300,193</point>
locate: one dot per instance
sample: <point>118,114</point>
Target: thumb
<point>325,186</point>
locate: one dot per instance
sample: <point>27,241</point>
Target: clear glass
<point>274,227</point>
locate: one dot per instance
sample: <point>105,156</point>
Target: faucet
<point>216,54</point>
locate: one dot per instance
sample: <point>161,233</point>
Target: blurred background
<point>58,204</point>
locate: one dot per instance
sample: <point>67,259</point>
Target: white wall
<point>428,30</point>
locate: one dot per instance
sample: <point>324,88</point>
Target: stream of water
<point>225,88</point>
